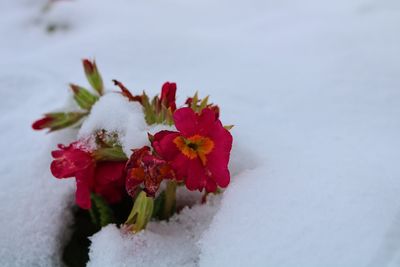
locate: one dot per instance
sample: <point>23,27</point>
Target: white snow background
<point>313,88</point>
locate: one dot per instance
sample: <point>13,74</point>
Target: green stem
<point>170,200</point>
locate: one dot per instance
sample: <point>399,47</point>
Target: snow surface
<point>311,86</point>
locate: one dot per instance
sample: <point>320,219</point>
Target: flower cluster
<point>195,155</point>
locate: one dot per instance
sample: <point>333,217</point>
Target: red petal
<point>82,195</point>
<point>181,166</point>
<point>196,176</point>
<point>133,179</point>
<point>218,159</point>
<point>211,186</point>
<point>186,121</point>
<point>42,123</point>
<point>110,180</point>
<point>164,146</point>
<point>206,121</point>
<point>109,171</point>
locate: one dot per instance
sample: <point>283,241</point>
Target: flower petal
<point>211,186</point>
<point>164,146</point>
<point>206,121</point>
<point>180,165</point>
<point>82,195</point>
<point>186,121</point>
<point>196,179</point>
<point>110,180</point>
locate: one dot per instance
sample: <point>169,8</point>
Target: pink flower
<point>146,169</point>
<point>199,153</point>
<point>167,98</point>
<point>103,178</point>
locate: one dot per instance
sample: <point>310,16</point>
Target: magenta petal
<point>196,176</point>
<point>206,121</point>
<point>82,195</point>
<point>211,186</point>
<point>109,171</point>
<point>186,121</point>
<point>181,166</point>
<point>164,146</point>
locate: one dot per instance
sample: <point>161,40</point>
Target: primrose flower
<point>103,178</point>
<point>147,169</point>
<point>199,153</point>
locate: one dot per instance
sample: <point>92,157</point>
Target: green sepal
<point>114,153</point>
<point>141,213</point>
<point>93,75</point>
<point>61,120</point>
<point>83,97</point>
<point>149,112</point>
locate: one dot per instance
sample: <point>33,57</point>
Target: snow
<point>162,244</point>
<point>115,114</point>
<point>311,86</point>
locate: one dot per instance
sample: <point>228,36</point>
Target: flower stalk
<point>170,200</point>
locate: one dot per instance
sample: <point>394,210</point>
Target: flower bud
<point>93,75</point>
<point>141,213</point>
<point>58,120</point>
<point>167,97</point>
<point>83,97</point>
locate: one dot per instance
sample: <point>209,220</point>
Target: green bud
<point>93,75</point>
<point>58,120</point>
<point>141,212</point>
<point>83,97</point>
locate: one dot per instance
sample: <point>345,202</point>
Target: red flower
<point>147,169</point>
<point>103,178</point>
<point>199,152</point>
<point>167,97</point>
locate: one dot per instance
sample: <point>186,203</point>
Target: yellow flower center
<point>195,146</point>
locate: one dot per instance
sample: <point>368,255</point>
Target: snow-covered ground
<point>312,86</point>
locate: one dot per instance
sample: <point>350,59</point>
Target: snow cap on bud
<point>93,75</point>
<point>58,120</point>
<point>83,97</point>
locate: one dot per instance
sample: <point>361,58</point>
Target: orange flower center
<point>195,146</point>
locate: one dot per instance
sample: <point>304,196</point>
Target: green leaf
<point>100,212</point>
<point>158,205</point>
